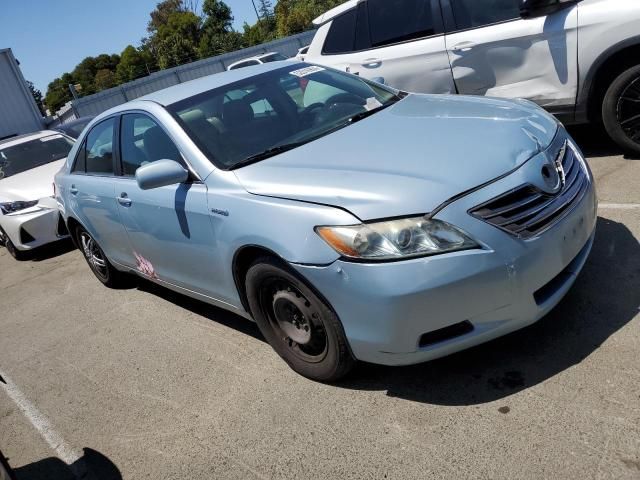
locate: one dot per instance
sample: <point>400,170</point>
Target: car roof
<point>188,89</point>
<point>27,137</point>
<point>334,12</point>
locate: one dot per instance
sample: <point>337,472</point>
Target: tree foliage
<point>37,96</point>
<point>178,34</point>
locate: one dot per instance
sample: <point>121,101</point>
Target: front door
<point>400,41</point>
<point>169,227</point>
<point>495,52</point>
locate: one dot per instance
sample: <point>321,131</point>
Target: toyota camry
<point>350,220</point>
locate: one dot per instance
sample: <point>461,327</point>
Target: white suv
<point>579,59</point>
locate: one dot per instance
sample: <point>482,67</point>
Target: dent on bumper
<point>385,308</point>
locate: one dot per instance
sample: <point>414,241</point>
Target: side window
<point>477,13</point>
<point>143,141</point>
<point>99,149</point>
<point>393,21</point>
<point>342,34</point>
<point>81,159</point>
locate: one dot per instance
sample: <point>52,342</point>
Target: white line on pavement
<point>65,452</point>
<point>619,206</point>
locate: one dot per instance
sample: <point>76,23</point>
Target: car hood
<point>408,158</point>
<point>32,184</point>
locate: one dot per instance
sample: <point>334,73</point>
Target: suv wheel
<point>621,110</point>
<point>299,326</point>
<point>98,262</point>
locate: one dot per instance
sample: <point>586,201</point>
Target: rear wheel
<point>621,110</point>
<point>98,262</point>
<point>299,326</point>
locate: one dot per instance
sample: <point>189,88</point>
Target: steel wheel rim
<point>628,110</point>
<point>281,301</point>
<point>94,255</point>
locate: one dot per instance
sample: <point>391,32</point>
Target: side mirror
<point>538,8</point>
<point>160,174</point>
<point>379,80</point>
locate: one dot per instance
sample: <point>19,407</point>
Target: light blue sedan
<point>349,220</point>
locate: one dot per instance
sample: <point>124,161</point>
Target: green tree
<point>134,63</point>
<point>104,79</point>
<point>160,15</point>
<point>37,96</point>
<point>176,42</point>
<point>295,16</point>
<point>217,35</point>
<point>58,92</point>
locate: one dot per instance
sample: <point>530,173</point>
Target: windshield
<point>264,115</point>
<point>34,153</point>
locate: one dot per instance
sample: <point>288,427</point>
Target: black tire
<point>620,107</point>
<point>11,248</point>
<point>99,263</point>
<point>283,306</point>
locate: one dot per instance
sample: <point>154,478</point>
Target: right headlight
<point>12,207</point>
<point>396,239</point>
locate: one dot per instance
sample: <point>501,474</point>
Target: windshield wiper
<point>269,152</point>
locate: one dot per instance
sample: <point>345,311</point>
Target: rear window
<point>34,153</point>
<point>275,57</point>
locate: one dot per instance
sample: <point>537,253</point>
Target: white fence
<point>101,101</point>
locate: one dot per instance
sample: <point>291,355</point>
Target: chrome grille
<point>527,211</point>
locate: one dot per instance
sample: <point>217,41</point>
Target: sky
<point>50,37</point>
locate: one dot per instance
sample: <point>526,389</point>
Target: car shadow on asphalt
<point>594,142</point>
<point>91,466</point>
<point>50,250</point>
<point>602,301</point>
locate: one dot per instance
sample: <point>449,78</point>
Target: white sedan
<point>29,214</point>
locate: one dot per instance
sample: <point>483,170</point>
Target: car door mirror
<point>538,8</point>
<point>160,174</point>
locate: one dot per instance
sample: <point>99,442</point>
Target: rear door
<point>495,52</point>
<point>92,191</point>
<point>401,41</point>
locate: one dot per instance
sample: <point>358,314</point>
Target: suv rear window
<point>393,21</point>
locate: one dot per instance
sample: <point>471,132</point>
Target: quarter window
<point>342,33</point>
<point>99,148</point>
<point>477,13</point>
<point>393,21</point>
<point>143,141</point>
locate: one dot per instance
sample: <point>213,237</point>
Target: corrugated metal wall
<point>99,102</point>
<point>18,111</point>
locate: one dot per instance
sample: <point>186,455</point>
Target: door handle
<point>372,63</point>
<point>73,190</point>
<point>124,200</point>
<point>463,47</point>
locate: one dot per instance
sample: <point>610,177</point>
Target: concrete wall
<point>18,110</point>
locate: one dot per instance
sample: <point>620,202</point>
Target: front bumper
<point>34,227</point>
<point>386,308</point>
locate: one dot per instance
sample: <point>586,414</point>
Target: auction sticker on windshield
<point>303,72</point>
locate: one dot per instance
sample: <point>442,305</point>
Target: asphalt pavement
<point>145,383</point>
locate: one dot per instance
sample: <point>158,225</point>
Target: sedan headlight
<point>396,239</point>
<point>11,207</point>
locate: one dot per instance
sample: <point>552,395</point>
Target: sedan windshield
<point>34,153</point>
<point>267,114</point>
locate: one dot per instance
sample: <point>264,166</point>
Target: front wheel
<point>299,326</point>
<point>11,248</point>
<point>621,110</point>
<point>98,262</point>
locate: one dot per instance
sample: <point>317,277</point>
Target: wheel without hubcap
<point>299,325</point>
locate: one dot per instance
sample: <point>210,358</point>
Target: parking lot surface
<point>145,383</point>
